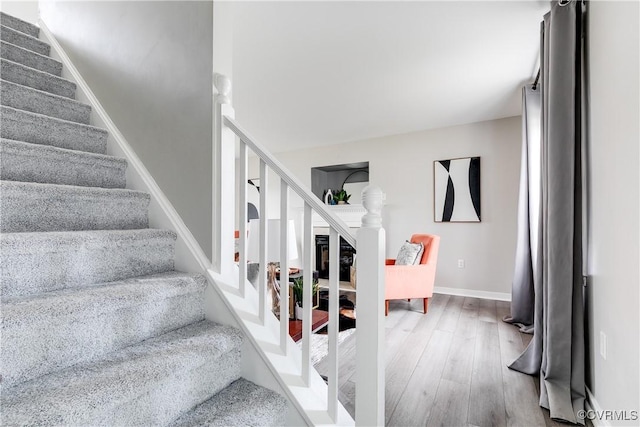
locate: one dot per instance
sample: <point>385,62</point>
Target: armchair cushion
<point>410,253</point>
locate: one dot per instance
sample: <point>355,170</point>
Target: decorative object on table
<point>297,290</point>
<point>273,254</point>
<point>413,281</point>
<point>328,197</point>
<point>456,190</point>
<point>341,197</point>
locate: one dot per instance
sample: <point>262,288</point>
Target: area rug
<point>320,342</point>
<point>347,324</point>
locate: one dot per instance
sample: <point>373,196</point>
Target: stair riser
<point>24,40</point>
<point>30,59</point>
<point>18,24</point>
<point>42,207</point>
<point>37,129</point>
<point>39,163</point>
<point>102,331</point>
<point>36,79</point>
<point>35,101</point>
<point>34,263</point>
<point>175,395</point>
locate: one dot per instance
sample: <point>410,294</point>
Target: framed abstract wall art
<point>456,190</point>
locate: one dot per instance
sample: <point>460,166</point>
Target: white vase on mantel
<point>298,312</point>
<point>328,197</point>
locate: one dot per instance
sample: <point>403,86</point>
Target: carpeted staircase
<point>97,327</point>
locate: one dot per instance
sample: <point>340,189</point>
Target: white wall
<point>402,166</point>
<point>25,10</point>
<point>150,65</point>
<point>613,295</point>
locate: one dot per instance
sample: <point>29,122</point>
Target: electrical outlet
<point>603,345</point>
<point>460,263</point>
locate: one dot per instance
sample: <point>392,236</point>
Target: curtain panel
<point>527,263</point>
<point>557,350</point>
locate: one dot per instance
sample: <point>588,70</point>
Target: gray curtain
<point>557,350</point>
<point>527,266</point>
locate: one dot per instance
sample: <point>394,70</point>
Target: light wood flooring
<point>449,367</point>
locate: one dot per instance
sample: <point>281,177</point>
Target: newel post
<point>370,249</point>
<point>223,210</point>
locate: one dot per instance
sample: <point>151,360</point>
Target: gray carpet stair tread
<point>43,262</point>
<point>37,79</point>
<point>30,59</point>
<point>23,161</point>
<point>97,328</point>
<point>37,101</point>
<point>19,24</point>
<point>243,403</point>
<point>149,383</point>
<point>24,40</point>
<point>47,332</point>
<point>40,129</point>
<point>33,207</point>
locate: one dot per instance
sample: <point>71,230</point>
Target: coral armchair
<point>413,281</point>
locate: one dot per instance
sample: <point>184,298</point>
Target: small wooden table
<point>319,319</point>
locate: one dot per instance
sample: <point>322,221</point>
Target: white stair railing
<point>370,244</point>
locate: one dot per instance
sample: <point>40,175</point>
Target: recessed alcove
<point>353,177</point>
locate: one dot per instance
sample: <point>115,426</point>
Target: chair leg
<point>386,307</point>
<point>426,305</point>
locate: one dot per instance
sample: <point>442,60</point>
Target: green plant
<point>298,286</point>
<point>341,196</point>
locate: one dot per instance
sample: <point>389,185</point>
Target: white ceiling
<point>320,73</point>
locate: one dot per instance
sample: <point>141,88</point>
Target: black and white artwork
<point>457,190</point>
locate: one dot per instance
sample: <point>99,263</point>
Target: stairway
<point>97,327</point>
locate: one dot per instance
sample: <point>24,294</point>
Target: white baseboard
<point>498,296</point>
<point>591,404</point>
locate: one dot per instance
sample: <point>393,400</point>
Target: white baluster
<point>307,280</point>
<point>334,297</point>
<point>370,330</point>
<point>262,278</point>
<point>242,217</point>
<point>284,265</point>
<point>223,185</point>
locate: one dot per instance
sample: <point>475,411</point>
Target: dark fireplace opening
<point>322,257</point>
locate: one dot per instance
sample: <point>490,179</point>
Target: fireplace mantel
<point>350,214</point>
